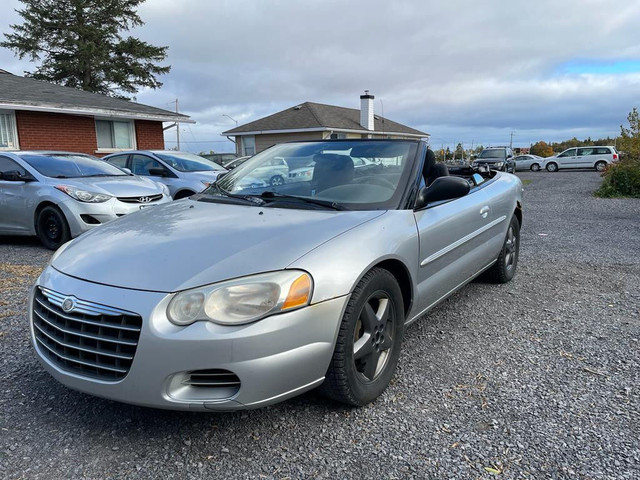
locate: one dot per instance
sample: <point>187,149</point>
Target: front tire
<point>535,167</point>
<point>368,344</point>
<point>52,228</point>
<point>552,167</point>
<point>505,267</point>
<point>276,181</point>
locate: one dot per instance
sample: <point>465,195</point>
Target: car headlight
<point>242,300</point>
<point>165,189</point>
<point>498,164</point>
<point>84,195</point>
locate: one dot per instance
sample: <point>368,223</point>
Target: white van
<point>596,157</point>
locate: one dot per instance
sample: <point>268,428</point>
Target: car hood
<point>186,244</point>
<point>120,186</point>
<point>206,176</point>
<point>489,160</point>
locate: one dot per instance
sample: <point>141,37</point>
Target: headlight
<point>83,195</point>
<point>243,300</point>
<point>165,189</point>
<point>498,164</point>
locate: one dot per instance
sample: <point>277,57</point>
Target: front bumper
<point>275,358</point>
<point>85,216</point>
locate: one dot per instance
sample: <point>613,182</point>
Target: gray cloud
<point>459,71</point>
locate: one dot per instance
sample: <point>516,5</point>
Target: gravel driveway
<point>539,378</point>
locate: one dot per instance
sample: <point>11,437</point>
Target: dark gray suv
<point>496,158</point>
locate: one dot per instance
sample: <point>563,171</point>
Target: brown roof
<point>317,115</point>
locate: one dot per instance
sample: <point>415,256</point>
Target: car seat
<point>433,169</point>
<point>331,170</point>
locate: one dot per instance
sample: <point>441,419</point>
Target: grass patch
<point>621,180</point>
<point>526,182</point>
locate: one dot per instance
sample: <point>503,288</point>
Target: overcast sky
<point>461,71</point>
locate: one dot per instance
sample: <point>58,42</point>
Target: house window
<point>113,135</point>
<point>8,131</point>
<point>338,136</point>
<point>249,145</point>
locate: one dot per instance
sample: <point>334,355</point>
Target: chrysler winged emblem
<point>69,304</point>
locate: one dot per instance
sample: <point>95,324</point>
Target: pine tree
<point>79,44</point>
<point>629,141</point>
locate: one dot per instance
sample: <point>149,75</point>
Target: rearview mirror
<point>442,188</point>
<point>157,172</point>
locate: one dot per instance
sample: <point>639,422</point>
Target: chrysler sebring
<point>245,295</point>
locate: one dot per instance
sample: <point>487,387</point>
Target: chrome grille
<point>213,378</point>
<point>90,339</point>
<point>141,199</point>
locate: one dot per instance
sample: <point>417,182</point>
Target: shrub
<point>621,180</point>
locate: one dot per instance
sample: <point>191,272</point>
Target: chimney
<point>366,111</point>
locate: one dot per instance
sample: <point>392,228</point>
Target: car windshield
<point>494,153</point>
<point>188,162</point>
<point>72,166</point>
<point>358,174</point>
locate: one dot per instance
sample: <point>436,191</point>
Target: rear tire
<point>552,167</point>
<point>535,167</point>
<point>505,267</point>
<point>600,166</point>
<point>276,181</point>
<point>368,344</point>
<point>52,227</point>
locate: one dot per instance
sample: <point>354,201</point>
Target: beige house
<point>315,121</point>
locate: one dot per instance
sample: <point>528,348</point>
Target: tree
<point>542,149</point>
<point>79,44</point>
<point>629,141</point>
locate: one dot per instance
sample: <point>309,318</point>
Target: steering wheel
<point>375,180</point>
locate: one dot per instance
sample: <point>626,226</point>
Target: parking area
<point>537,378</point>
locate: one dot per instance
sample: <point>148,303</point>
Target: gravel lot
<point>539,378</point>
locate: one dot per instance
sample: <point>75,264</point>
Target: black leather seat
<point>433,169</point>
<point>331,170</point>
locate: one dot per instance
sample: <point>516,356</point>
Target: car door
<point>585,157</point>
<point>451,237</point>
<point>568,158</point>
<point>17,200</point>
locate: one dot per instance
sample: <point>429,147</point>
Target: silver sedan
<point>246,295</point>
<point>58,196</point>
<point>528,162</point>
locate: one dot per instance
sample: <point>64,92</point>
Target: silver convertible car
<point>243,296</point>
<point>59,195</point>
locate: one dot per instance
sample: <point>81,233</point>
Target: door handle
<point>484,211</point>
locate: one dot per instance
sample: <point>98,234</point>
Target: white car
<point>528,162</point>
<point>596,157</point>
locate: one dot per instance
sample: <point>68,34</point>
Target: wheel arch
<point>518,212</point>
<point>399,270</point>
<point>182,193</point>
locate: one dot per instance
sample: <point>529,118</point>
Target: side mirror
<point>16,176</point>
<point>221,174</point>
<point>126,170</point>
<point>157,172</point>
<point>442,188</point>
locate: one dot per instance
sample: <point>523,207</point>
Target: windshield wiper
<point>249,199</point>
<point>312,201</point>
<point>104,175</point>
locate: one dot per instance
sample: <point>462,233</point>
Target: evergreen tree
<point>629,142</point>
<point>79,44</point>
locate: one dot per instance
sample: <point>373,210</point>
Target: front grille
<point>90,339</point>
<point>141,199</point>
<point>213,378</point>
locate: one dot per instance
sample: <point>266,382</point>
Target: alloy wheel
<point>510,249</point>
<point>373,336</point>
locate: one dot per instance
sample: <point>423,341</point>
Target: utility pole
<point>177,129</point>
<point>511,141</point>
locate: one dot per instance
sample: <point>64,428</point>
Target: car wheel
<point>52,228</point>
<point>183,194</point>
<point>505,267</point>
<point>368,344</point>
<point>535,167</point>
<point>552,167</point>
<point>600,166</point>
<point>276,181</point>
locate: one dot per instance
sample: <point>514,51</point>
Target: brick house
<point>316,121</point>
<point>36,115</point>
